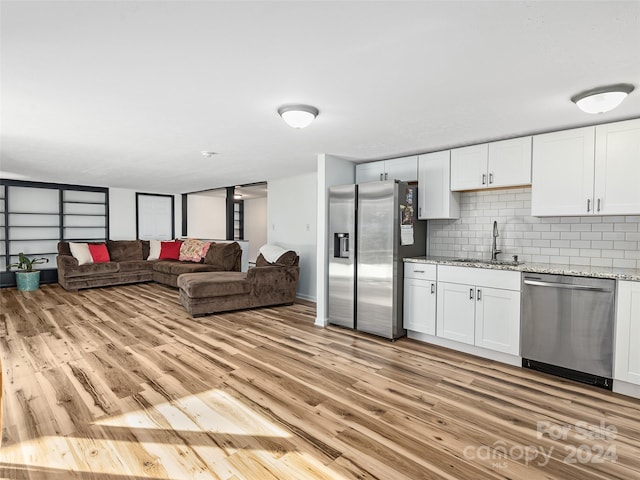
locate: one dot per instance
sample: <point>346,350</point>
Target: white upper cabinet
<point>617,169</point>
<point>435,198</point>
<point>587,171</point>
<point>369,172</point>
<point>469,167</point>
<point>562,182</point>
<point>510,162</point>
<point>492,165</point>
<point>404,169</point>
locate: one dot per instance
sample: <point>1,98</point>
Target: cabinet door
<point>404,169</point>
<point>510,162</point>
<point>469,167</point>
<point>420,305</point>
<point>435,198</point>
<point>498,320</point>
<point>455,313</point>
<point>563,170</point>
<point>369,172</point>
<point>627,347</point>
<point>617,177</point>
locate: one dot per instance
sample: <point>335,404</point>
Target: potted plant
<point>27,279</point>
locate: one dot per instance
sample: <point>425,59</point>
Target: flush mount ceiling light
<point>206,153</point>
<point>602,99</point>
<point>298,116</point>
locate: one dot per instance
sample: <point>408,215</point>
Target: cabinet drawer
<point>484,277</point>
<point>425,271</point>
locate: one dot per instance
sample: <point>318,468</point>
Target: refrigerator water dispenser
<point>341,245</point>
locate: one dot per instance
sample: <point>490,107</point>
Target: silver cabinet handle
<point>491,178</point>
<point>471,294</point>
<point>479,296</point>
<point>386,176</point>
<point>418,271</point>
<point>433,288</point>
<point>588,204</point>
<point>598,204</point>
<point>419,211</point>
<point>484,178</point>
<point>381,177</point>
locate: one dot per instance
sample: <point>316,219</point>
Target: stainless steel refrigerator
<point>372,227</point>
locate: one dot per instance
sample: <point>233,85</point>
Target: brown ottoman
<point>210,292</point>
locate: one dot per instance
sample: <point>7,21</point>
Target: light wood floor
<point>120,383</point>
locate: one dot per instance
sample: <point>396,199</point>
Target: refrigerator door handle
<point>433,288</point>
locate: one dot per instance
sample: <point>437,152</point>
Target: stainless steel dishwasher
<point>567,326</point>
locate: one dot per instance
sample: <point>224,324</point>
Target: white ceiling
<point>126,94</point>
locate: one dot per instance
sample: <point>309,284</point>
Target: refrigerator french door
<point>388,231</point>
<point>342,259</point>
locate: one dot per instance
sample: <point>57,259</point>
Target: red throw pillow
<point>170,250</point>
<point>99,252</point>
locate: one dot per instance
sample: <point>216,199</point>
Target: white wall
<point>122,213</point>
<point>255,225</point>
<point>292,217</point>
<point>331,171</point>
<point>206,216</point>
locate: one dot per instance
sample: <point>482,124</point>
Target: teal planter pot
<point>27,281</point>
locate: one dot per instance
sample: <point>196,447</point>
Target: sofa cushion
<point>122,250</point>
<point>136,266</point>
<point>289,258</point>
<point>81,253</point>
<point>63,248</point>
<point>164,266</point>
<point>224,255</point>
<point>91,269</point>
<point>153,252</point>
<point>170,250</point>
<point>189,267</point>
<point>99,252</point>
<point>193,250</point>
<point>215,284</point>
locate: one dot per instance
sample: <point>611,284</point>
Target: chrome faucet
<point>494,247</point>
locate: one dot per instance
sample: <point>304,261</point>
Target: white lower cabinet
<point>479,307</point>
<point>627,343</point>
<point>419,313</point>
<point>456,312</point>
<point>498,320</point>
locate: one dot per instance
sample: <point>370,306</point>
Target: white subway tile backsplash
<point>625,227</point>
<point>588,240</point>
<point>591,236</point>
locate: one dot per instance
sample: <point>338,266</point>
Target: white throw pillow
<point>154,249</point>
<point>80,252</point>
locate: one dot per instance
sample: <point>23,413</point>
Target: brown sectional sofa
<point>127,265</point>
<point>264,285</point>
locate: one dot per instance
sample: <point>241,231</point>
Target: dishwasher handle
<point>568,286</point>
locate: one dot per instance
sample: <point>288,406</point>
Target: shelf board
<point>57,239</point>
<point>88,226</point>
<point>34,226</point>
<point>57,214</point>
<point>84,203</point>
<point>84,214</point>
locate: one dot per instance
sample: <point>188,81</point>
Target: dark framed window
<point>155,217</point>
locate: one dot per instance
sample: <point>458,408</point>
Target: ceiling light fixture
<point>205,153</point>
<point>602,99</point>
<point>298,116</point>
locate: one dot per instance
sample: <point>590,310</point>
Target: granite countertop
<point>552,268</point>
